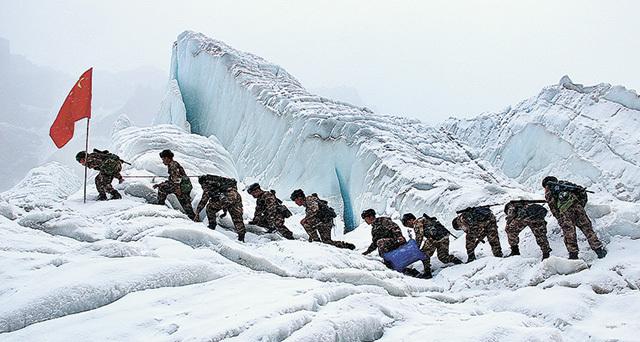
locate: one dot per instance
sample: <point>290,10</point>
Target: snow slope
<point>281,135</point>
<point>128,270</point>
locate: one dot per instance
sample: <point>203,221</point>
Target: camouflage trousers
<point>232,203</point>
<point>276,224</point>
<point>431,245</point>
<point>166,188</point>
<point>321,232</point>
<point>478,232</point>
<point>103,183</point>
<point>576,216</point>
<point>538,227</point>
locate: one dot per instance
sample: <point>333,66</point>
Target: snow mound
<point>42,187</point>
<point>198,155</point>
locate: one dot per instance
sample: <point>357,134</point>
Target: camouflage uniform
<point>385,236</point>
<point>517,220</point>
<point>172,186</point>
<point>318,227</point>
<point>436,238</point>
<point>568,219</point>
<point>477,231</point>
<point>218,197</point>
<point>103,179</point>
<point>269,214</point>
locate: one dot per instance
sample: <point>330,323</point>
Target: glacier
<point>286,138</point>
<point>130,270</point>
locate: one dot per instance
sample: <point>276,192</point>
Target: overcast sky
<point>424,59</point>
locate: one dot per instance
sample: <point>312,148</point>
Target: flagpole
<point>86,159</point>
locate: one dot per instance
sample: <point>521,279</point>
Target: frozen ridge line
<point>286,138</point>
<point>588,134</point>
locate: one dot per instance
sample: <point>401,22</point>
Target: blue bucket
<point>404,255</point>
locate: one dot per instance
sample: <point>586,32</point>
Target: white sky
<point>424,59</point>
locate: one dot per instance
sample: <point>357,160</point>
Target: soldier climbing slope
<point>432,236</point>
<point>521,214</point>
<point>318,221</point>
<point>386,236</point>
<point>478,223</point>
<point>221,193</point>
<point>178,184</point>
<point>566,202</point>
<point>270,212</point>
<point>109,166</point>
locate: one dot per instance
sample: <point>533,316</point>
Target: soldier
<point>109,166</point>
<point>566,201</point>
<point>178,184</point>
<point>221,193</point>
<point>270,212</point>
<point>318,221</point>
<point>385,234</point>
<point>521,214</point>
<point>435,237</point>
<point>478,223</point>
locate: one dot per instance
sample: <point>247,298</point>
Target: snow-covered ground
<point>128,270</point>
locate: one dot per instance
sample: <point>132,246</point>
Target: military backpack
<point>111,163</point>
<point>282,209</point>
<point>326,212</point>
<point>567,193</point>
<point>478,214</point>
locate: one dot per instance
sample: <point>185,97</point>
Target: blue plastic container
<point>404,255</point>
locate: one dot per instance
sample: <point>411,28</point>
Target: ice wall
<point>287,138</point>
<point>587,134</point>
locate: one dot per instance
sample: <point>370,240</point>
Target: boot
<point>241,237</point>
<point>471,257</point>
<point>427,274</point>
<point>288,235</point>
<point>212,225</point>
<point>515,250</point>
<point>498,254</point>
<point>102,197</point>
<point>545,254</point>
<point>412,272</point>
<point>573,255</point>
<point>601,252</point>
<point>456,261</point>
<point>115,195</point>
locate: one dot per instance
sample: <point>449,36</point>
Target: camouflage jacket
<point>96,160</point>
<point>428,228</point>
<point>384,228</point>
<point>267,208</point>
<point>176,172</point>
<point>312,209</point>
<point>212,188</point>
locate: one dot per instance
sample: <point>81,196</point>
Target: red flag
<point>76,106</point>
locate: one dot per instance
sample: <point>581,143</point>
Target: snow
<point>129,270</point>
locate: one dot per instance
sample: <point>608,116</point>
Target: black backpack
<point>478,214</point>
<point>282,209</point>
<point>326,212</point>
<point>535,212</point>
<point>435,229</point>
